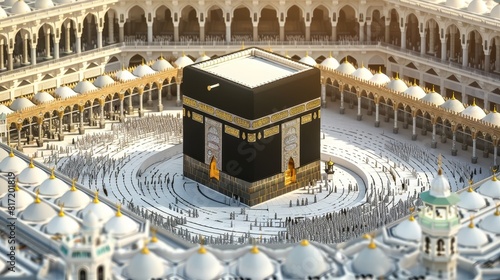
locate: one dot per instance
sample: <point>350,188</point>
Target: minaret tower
<point>440,222</point>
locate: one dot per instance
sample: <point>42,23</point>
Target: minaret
<point>440,222</point>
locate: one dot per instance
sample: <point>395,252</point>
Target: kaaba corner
<point>251,124</point>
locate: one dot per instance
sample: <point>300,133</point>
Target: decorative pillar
<point>334,31</point>
<point>256,31</point>
<point>47,44</point>
<point>342,109</point>
<point>176,31</point>
<point>369,31</point>
<point>81,129</point>
<point>60,136</point>
<point>387,35</point>
<point>423,44</point>
<point>33,54</point>
<point>71,127</point>
<point>377,110</point>
<point>202,32</point>
<point>56,47</point>
<point>323,95</point>
<point>395,130</point>
<point>169,92</point>
<point>403,37</point>
<point>308,30</point>
<point>10,59</point>
<point>150,97</point>
<point>454,150</point>
<point>19,126</point>
<point>29,138</point>
<point>359,116</point>
<point>2,59</point>
<point>121,32</point>
<point>78,43</point>
<point>121,96</point>
<point>282,30</point>
<point>178,102</point>
<point>443,49</point>
<point>130,106</point>
<point>67,37</point>
<point>99,38</point>
<point>111,27</point>
<point>39,122</point>
<point>160,105</point>
<point>228,31</point>
<point>434,142</point>
<point>361,31</point>
<point>487,60</point>
<point>495,150</point>
<point>102,124</point>
<point>465,54</point>
<point>141,112</point>
<point>91,114</point>
<point>474,138</point>
<point>414,126</point>
<point>25,51</point>
<point>405,119</point>
<point>150,32</point>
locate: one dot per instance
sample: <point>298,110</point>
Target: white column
<point>56,49</point>
<point>10,60</point>
<point>395,130</point>
<point>25,51</point>
<point>487,60</point>
<point>359,108</point>
<point>443,49</point>
<point>341,99</point>
<point>474,147</point>
<point>495,151</point>
<point>33,54</point>
<point>228,31</point>
<point>308,31</point>
<point>423,45</point>
<point>121,32</point>
<point>67,47</point>
<point>465,55</point>
<point>368,31</point>
<point>256,31</point>
<point>179,94</point>
<point>454,141</point>
<point>432,38</point>
<point>414,128</point>
<point>2,61</point>
<point>111,27</point>
<point>376,112</point>
<point>47,45</point>
<point>323,95</point>
<point>150,32</point>
<point>78,43</point>
<point>403,38</point>
<point>99,38</point>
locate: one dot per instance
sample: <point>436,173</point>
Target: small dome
<point>125,75</point>
<point>308,60</point>
<point>495,12</point>
<point>38,211</point>
<point>62,224</point>
<point>21,103</point>
<point>453,105</point>
<point>415,91</point>
<point>493,117</point>
<point>65,1</point>
<point>3,14</point>
<point>120,225</point>
<point>380,78</point>
<point>53,186</point>
<point>362,73</point>
<point>42,97</point>
<point>65,92</point>
<point>43,4</point>
<point>346,68</point>
<point>32,175</point>
<point>304,260</point>
<point>490,188</point>
<point>183,61</point>
<point>474,111</point>
<point>101,210</point>
<point>204,57</point>
<point>255,265</point>
<point>397,85</point>
<point>20,7</point>
<point>372,260</point>
<point>9,3</point>
<point>409,229</point>
<point>491,223</point>
<point>22,199</point>
<point>3,154</point>
<point>433,98</point>
<point>457,4</point>
<point>90,220</point>
<point>161,65</point>
<point>202,265</point>
<point>440,187</point>
<point>143,70</point>
<point>145,265</point>
<point>4,186</point>
<point>12,164</point>
<point>4,109</point>
<point>103,81</point>
<point>330,62</point>
<point>84,87</point>
<point>471,200</point>
<point>477,7</point>
<point>471,236</point>
<point>74,198</point>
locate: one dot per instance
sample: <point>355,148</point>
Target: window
<point>427,244</point>
<point>440,247</point>
<point>82,275</point>
<point>100,272</point>
<point>452,246</point>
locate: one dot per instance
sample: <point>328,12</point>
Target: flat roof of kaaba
<point>252,67</point>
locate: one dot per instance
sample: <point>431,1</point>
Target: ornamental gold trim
<point>297,109</point>
<point>224,115</point>
<point>251,137</point>
<point>241,122</point>
<point>261,122</point>
<point>279,116</point>
<point>268,132</point>
<point>306,118</point>
<point>313,104</point>
<point>197,117</point>
<point>206,108</point>
<point>232,131</point>
<point>190,102</point>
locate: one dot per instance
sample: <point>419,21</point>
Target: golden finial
<point>96,197</point>
<point>494,108</point>
<point>471,224</point>
<point>366,236</point>
<point>397,75</point>
<point>142,63</point>
<point>452,95</point>
<point>474,101</point>
<point>254,249</point>
<point>372,244</point>
<point>411,219</point>
<point>202,249</point>
<point>16,187</point>
<point>145,249</point>
<point>307,54</point>
<point>380,69</point>
<point>433,88</point>
<point>414,82</point>
<point>497,212</point>
<point>161,55</point>
<point>470,186</point>
<point>242,45</point>
<point>37,199</point>
<point>31,163</point>
<point>440,162</point>
<point>494,171</point>
<point>346,61</point>
<point>73,185</point>
<point>11,154</point>
<point>330,54</point>
<point>304,242</point>
<point>61,211</point>
<point>118,210</point>
<point>52,176</point>
<point>154,239</point>
<point>183,53</point>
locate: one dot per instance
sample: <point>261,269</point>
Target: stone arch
<point>135,60</point>
<point>135,25</point>
<point>294,24</point>
<point>394,33</point>
<point>347,26</point>
<point>189,26</point>
<point>215,26</point>
<point>241,24</point>
<point>163,26</point>
<point>321,26</point>
<point>268,27</point>
<point>412,32</point>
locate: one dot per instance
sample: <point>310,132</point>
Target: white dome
<point>330,62</point>
<point>74,198</point>
<point>204,57</point>
<point>21,103</point>
<point>440,187</point>
<point>202,265</point>
<point>471,200</point>
<point>12,164</point>
<point>53,186</point>
<point>101,210</point>
<point>362,73</point>
<point>409,229</point>
<point>471,236</point>
<point>4,109</point>
<point>415,91</point>
<point>62,224</point>
<point>255,265</point>
<point>4,186</point>
<point>433,98</point>
<point>143,70</point>
<point>121,225</point>
<point>453,105</point>
<point>90,220</point>
<point>346,68</point>
<point>103,81</point>
<point>308,60</point>
<point>495,12</point>
<point>304,260</point>
<point>493,117</point>
<point>65,92</point>
<point>372,260</point>
<point>22,199</point>
<point>20,7</point>
<point>477,7</point>
<point>38,211</point>
<point>43,4</point>
<point>490,188</point>
<point>474,111</point>
<point>125,75</point>
<point>161,64</point>
<point>43,97</point>
<point>491,223</point>
<point>380,79</point>
<point>65,1</point>
<point>3,14</point>
<point>457,4</point>
<point>84,87</point>
<point>3,153</point>
<point>32,175</point>
<point>183,61</point>
<point>397,85</point>
<point>9,3</point>
<point>145,265</point>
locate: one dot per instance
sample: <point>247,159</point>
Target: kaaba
<point>251,124</point>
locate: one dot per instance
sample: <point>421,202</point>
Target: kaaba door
<point>290,173</point>
<point>214,172</point>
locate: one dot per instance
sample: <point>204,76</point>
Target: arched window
<point>82,275</point>
<point>100,272</point>
<point>427,244</point>
<point>214,172</point>
<point>452,246</point>
<point>440,247</point>
<point>290,173</point>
